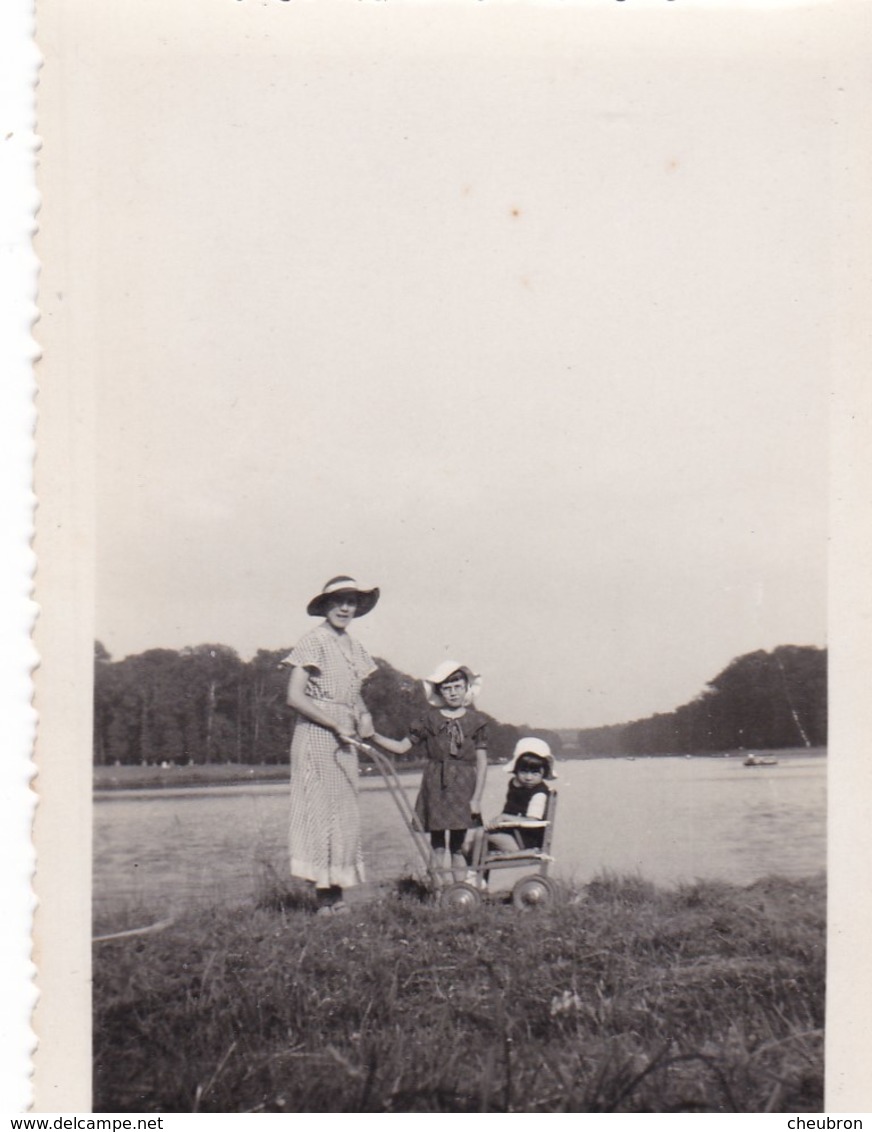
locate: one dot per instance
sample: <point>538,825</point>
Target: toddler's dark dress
<point>449,773</point>
<point>518,801</point>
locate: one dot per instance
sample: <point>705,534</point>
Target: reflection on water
<point>669,820</point>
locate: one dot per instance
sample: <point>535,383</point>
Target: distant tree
<point>602,741</point>
<point>394,700</point>
<point>211,674</point>
<point>502,738</point>
<point>203,704</point>
<point>162,705</point>
<point>150,702</point>
<point>105,696</point>
<point>267,718</point>
<point>761,699</point>
<point>803,672</point>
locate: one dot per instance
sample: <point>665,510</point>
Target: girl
<point>453,736</point>
<point>527,798</point>
<point>519,827</point>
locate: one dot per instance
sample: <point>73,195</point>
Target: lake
<point>669,820</point>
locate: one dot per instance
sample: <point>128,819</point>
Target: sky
<point>529,325</point>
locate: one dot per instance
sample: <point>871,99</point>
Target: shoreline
<point>107,779</point>
<point>110,780</point>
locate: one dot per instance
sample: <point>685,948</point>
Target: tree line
<point>207,705</point>
<point>762,699</point>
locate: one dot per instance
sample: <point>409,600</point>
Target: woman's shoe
<point>334,908</point>
<point>328,899</point>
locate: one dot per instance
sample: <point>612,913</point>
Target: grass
<point>204,774</point>
<point>621,998</point>
<point>211,774</point>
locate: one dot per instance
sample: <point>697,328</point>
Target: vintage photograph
<point>439,403</point>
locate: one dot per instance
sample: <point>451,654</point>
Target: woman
<point>327,670</point>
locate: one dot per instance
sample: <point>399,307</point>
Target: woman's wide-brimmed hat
<point>533,746</point>
<point>440,675</point>
<point>338,586</point>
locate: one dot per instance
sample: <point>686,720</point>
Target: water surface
<point>667,819</point>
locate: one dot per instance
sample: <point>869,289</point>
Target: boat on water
<point>759,760</point>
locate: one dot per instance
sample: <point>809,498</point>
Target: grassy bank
<point>227,774</point>
<point>211,774</point>
<point>623,998</point>
<point>208,774</point>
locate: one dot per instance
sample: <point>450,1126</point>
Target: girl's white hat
<point>342,584</point>
<point>533,746</point>
<point>440,675</point>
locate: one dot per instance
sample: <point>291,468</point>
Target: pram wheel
<point>461,895</point>
<point>532,892</point>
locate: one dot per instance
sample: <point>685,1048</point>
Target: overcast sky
<point>522,320</point>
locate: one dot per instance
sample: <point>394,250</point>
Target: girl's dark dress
<point>449,773</point>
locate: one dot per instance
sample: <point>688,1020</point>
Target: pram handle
<point>397,791</point>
